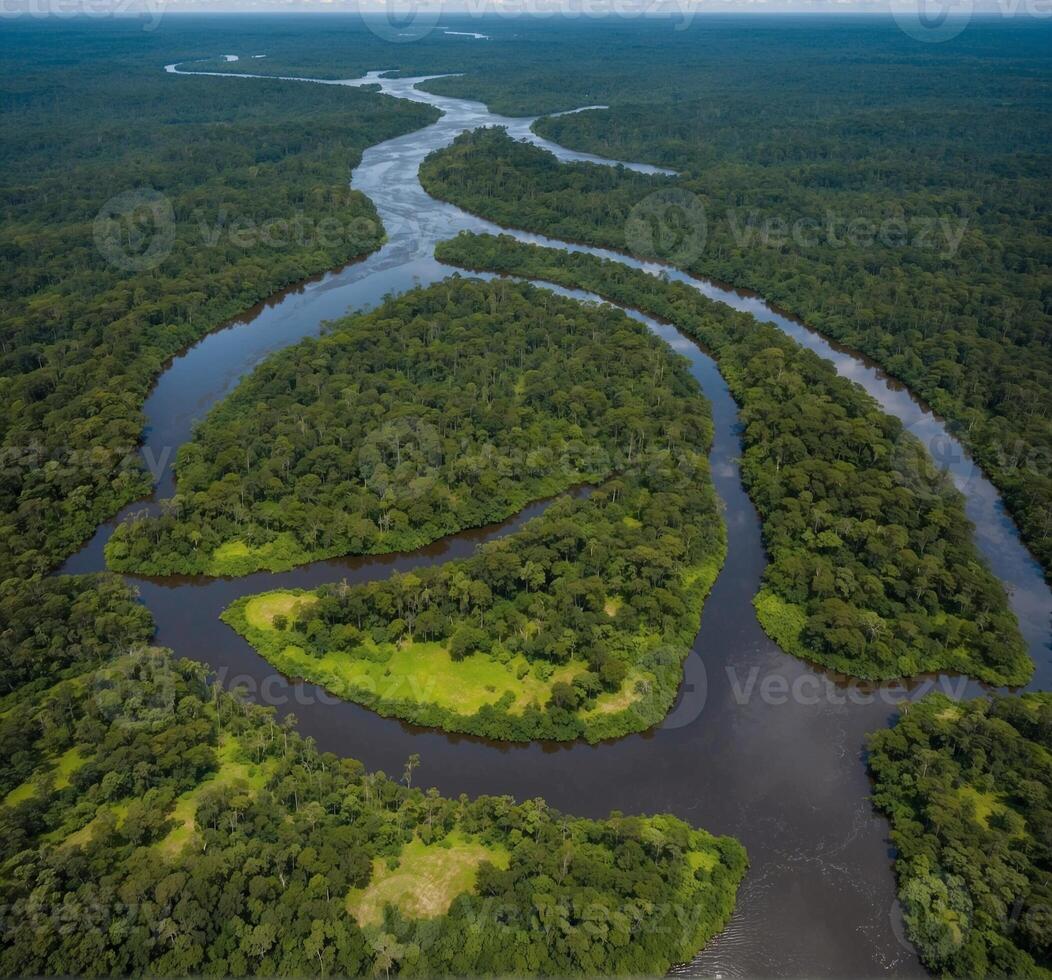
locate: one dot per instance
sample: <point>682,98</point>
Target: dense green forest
<point>575,625</point>
<point>236,191</point>
<point>63,623</point>
<point>966,787</point>
<point>945,284</point>
<point>447,407</point>
<point>152,823</point>
<point>873,570</point>
<point>139,803</point>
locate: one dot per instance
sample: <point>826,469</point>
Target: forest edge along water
<point>759,745</point>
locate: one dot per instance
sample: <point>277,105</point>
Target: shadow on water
<point>759,745</point>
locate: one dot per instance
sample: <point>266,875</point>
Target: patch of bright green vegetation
<point>874,570</point>
<point>23,791</point>
<point>413,675</point>
<point>968,790</point>
<point>112,813</point>
<point>260,610</point>
<point>983,803</point>
<point>67,764</point>
<point>424,880</point>
<point>59,772</point>
<point>498,691</point>
<point>233,771</point>
<point>705,860</point>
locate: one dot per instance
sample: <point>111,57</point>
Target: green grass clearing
<point>83,836</point>
<point>24,791</point>
<point>262,609</point>
<point>62,769</point>
<point>421,672</point>
<point>614,701</point>
<point>986,804</point>
<point>426,880</point>
<point>67,764</point>
<point>231,770</point>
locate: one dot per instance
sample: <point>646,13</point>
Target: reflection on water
<point>759,745</point>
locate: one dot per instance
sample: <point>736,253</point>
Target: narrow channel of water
<point>759,745</point>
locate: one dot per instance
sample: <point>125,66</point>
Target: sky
<point>931,9</point>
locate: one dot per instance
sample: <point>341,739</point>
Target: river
<point>759,745</point>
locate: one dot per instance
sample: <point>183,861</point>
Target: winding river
<point>759,745</point>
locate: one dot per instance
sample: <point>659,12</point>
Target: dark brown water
<point>759,745</point>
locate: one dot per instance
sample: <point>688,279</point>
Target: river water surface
<point>760,745</point>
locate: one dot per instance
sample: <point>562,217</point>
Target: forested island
<point>873,570</point>
<point>577,624</point>
<point>445,408</point>
<point>152,823</point>
<point>946,296</point>
<point>966,786</point>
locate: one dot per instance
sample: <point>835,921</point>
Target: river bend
<point>782,772</point>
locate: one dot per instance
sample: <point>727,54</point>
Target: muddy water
<point>759,745</point>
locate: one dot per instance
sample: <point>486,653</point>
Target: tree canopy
<point>219,196</point>
<point>939,276</point>
<point>873,568</point>
<point>445,408</point>
<point>169,828</point>
<point>966,788</point>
